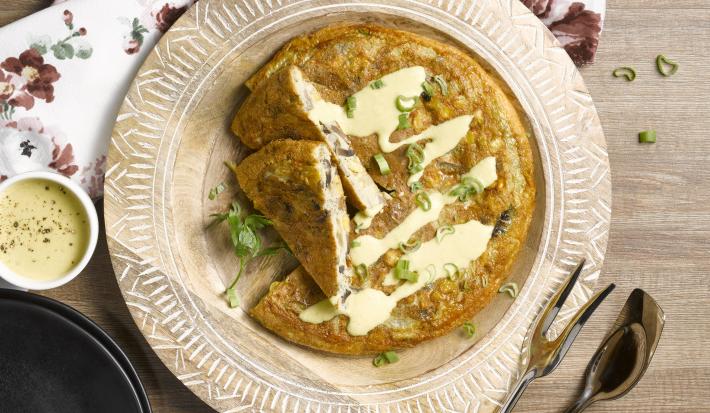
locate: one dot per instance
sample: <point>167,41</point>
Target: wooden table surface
<point>660,231</point>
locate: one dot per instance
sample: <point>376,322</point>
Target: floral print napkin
<point>65,70</point>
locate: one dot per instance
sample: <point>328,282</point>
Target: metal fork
<point>544,355</point>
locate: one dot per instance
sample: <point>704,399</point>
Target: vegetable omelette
<point>445,148</point>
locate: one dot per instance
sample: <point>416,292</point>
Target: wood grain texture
<point>660,226</point>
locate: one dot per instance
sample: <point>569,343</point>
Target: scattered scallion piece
<point>232,297</point>
<point>214,192</point>
<point>510,288</point>
<point>405,104</point>
<point>416,186</point>
<point>423,201</point>
<point>388,357</point>
<point>362,271</point>
<point>382,164</point>
<point>377,84</point>
<point>628,72</point>
<point>469,329</point>
<point>442,84</point>
<point>354,244</point>
<point>402,272</point>
<point>428,90</point>
<point>415,154</point>
<point>403,121</point>
<point>666,66</point>
<point>409,246</point>
<point>441,232</point>
<point>452,270</point>
<point>468,187</point>
<point>647,136</point>
<point>350,105</point>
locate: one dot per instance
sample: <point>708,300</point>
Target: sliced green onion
<point>403,121</point>
<point>382,164</point>
<point>415,154</point>
<point>647,136</point>
<point>409,246</point>
<point>233,298</point>
<point>416,186</point>
<point>423,201</point>
<point>391,356</point>
<point>405,104</point>
<point>216,191</point>
<point>362,271</point>
<point>441,232</point>
<point>468,187</point>
<point>484,281</point>
<point>402,272</point>
<point>354,244</point>
<point>666,66</point>
<point>377,84</point>
<point>452,270</point>
<point>469,329</point>
<point>388,357</point>
<point>442,84</point>
<point>350,105</point>
<point>628,72</point>
<point>428,89</point>
<point>510,288</point>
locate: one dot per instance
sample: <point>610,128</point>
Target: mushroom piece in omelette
<point>455,166</point>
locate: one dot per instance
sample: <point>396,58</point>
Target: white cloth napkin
<point>65,70</point>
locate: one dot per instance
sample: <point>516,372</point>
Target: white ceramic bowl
<point>21,281</point>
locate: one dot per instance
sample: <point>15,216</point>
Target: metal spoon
<point>622,358</point>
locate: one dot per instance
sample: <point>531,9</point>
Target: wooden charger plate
<point>167,149</point>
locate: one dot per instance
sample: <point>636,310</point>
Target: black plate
<point>54,359</point>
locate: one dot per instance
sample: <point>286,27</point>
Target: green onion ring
<point>510,288</point>
<point>628,72</point>
<point>409,246</point>
<point>666,66</point>
<point>405,104</point>
<point>469,329</point>
<point>423,201</point>
<point>441,232</point>
<point>382,164</point>
<point>453,274</point>
<point>442,84</point>
<point>403,121</point>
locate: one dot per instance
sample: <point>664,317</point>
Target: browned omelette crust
<point>295,184</point>
<point>341,61</point>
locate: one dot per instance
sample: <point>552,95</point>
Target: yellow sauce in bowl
<point>44,230</point>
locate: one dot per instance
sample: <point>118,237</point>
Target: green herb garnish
<point>428,89</point>
<point>245,240</point>
<point>628,72</point>
<point>415,154</point>
<point>377,84</point>
<point>666,66</point>
<point>416,186</point>
<point>354,244</point>
<point>409,246</point>
<point>452,270</point>
<point>510,288</point>
<point>469,329</point>
<point>405,104</point>
<point>647,136</point>
<point>388,357</point>
<point>403,121</point>
<point>350,105</point>
<point>442,84</point>
<point>468,187</point>
<point>423,201</point>
<point>382,164</point>
<point>214,192</point>
<point>441,232</point>
<point>402,272</point>
<point>362,271</point>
